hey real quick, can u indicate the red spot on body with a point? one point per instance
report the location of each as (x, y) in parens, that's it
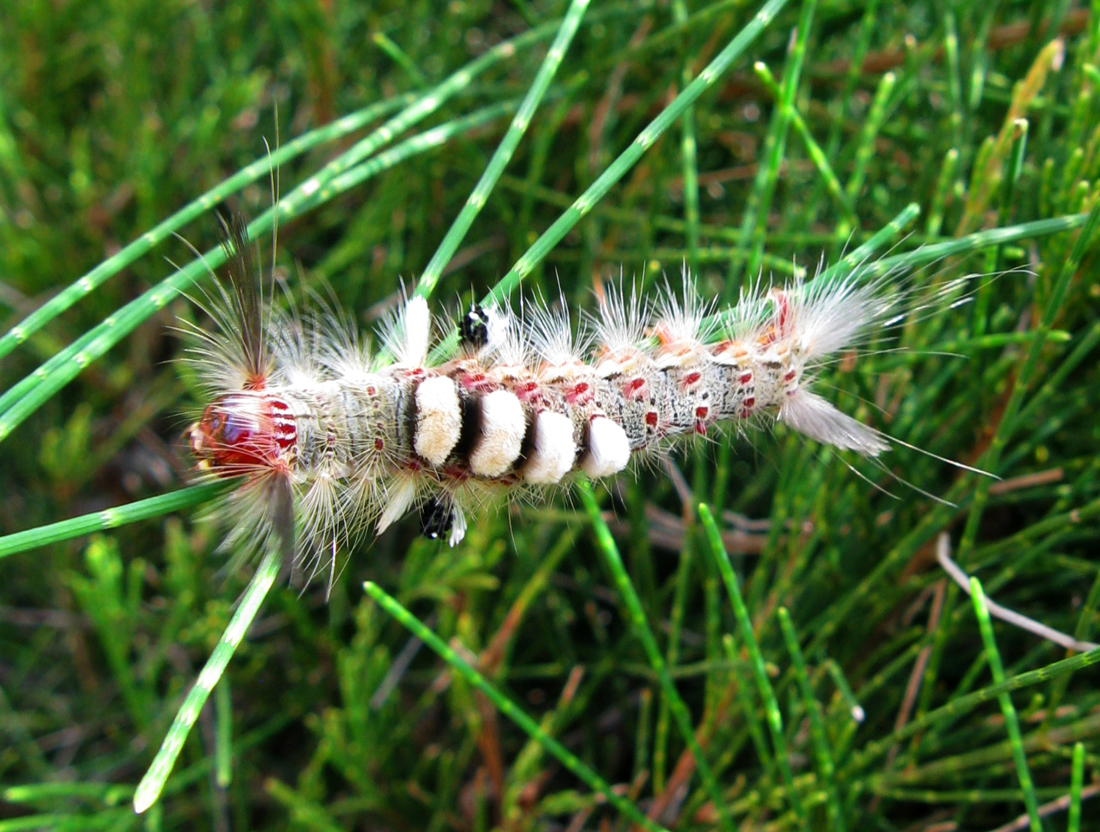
(750, 402)
(372, 390)
(634, 389)
(745, 378)
(475, 381)
(692, 378)
(379, 444)
(701, 412)
(579, 394)
(790, 376)
(527, 391)
(701, 428)
(651, 418)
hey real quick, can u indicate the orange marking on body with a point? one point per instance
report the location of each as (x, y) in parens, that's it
(661, 333)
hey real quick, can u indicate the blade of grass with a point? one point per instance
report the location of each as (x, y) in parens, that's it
(640, 625)
(507, 707)
(813, 149)
(1012, 720)
(505, 149)
(223, 743)
(817, 723)
(964, 704)
(860, 256)
(748, 639)
(1077, 782)
(1009, 422)
(974, 242)
(772, 154)
(748, 707)
(945, 182)
(871, 126)
(152, 783)
(112, 518)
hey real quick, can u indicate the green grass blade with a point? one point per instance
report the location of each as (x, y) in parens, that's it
(626, 160)
(871, 127)
(813, 149)
(1077, 782)
(419, 109)
(772, 155)
(640, 625)
(112, 518)
(505, 149)
(748, 639)
(507, 707)
(1012, 720)
(990, 461)
(223, 737)
(859, 257)
(151, 785)
(976, 242)
(966, 703)
(817, 723)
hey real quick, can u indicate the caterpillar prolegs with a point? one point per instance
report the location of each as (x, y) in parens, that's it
(334, 441)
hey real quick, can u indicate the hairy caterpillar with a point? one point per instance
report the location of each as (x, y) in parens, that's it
(334, 442)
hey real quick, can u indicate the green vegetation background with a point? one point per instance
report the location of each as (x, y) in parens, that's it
(113, 116)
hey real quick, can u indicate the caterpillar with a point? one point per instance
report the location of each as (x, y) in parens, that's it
(333, 441)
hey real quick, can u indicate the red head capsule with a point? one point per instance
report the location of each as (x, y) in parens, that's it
(242, 430)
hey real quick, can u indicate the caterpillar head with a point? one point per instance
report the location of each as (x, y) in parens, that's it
(239, 432)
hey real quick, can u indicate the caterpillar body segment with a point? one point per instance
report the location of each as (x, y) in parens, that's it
(518, 409)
